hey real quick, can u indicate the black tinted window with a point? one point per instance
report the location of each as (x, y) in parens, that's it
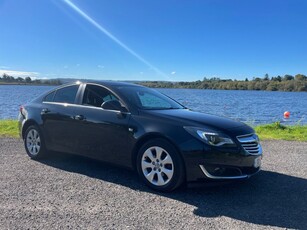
(95, 95)
(49, 97)
(67, 94)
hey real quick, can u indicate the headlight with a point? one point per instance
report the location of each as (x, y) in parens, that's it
(209, 136)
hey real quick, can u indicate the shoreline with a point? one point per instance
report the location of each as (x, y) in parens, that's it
(26, 84)
(274, 131)
(154, 87)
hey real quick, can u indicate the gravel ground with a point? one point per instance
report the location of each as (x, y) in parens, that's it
(72, 192)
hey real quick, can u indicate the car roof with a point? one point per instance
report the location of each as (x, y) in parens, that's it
(108, 83)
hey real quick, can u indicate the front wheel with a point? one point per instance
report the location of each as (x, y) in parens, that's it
(34, 143)
(160, 166)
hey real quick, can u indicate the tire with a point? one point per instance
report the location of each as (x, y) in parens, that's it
(34, 143)
(160, 166)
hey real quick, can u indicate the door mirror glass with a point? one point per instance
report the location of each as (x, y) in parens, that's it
(113, 105)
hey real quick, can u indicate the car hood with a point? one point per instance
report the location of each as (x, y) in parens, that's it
(188, 117)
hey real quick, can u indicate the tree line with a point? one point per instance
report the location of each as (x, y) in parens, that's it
(280, 83)
(7, 79)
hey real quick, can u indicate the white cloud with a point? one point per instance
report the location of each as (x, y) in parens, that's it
(15, 73)
(100, 66)
(174, 72)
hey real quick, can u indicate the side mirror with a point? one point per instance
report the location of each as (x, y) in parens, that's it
(113, 105)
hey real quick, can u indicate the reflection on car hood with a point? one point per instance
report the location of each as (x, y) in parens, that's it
(188, 117)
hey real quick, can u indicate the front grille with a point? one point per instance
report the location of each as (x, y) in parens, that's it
(250, 144)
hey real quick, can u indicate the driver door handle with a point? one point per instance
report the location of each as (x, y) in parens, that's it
(79, 117)
(45, 110)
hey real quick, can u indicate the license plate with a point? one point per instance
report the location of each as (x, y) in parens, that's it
(257, 162)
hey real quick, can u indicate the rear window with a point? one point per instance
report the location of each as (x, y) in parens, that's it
(66, 94)
(49, 97)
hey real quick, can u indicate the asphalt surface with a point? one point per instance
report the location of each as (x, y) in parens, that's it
(72, 192)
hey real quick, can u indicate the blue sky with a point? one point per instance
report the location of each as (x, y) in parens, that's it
(153, 39)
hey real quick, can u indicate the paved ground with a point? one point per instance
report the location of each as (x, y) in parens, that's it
(72, 192)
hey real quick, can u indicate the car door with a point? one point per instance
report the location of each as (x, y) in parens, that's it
(59, 124)
(103, 134)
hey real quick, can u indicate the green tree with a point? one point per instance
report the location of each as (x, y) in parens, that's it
(28, 79)
(256, 79)
(288, 77)
(300, 77)
(266, 77)
(272, 86)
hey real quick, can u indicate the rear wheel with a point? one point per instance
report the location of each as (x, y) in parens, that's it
(160, 166)
(34, 142)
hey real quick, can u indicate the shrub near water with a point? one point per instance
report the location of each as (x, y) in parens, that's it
(9, 128)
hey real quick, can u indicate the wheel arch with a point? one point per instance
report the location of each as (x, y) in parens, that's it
(26, 125)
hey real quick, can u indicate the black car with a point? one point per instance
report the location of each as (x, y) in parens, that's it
(142, 129)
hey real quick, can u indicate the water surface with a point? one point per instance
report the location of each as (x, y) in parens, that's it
(254, 107)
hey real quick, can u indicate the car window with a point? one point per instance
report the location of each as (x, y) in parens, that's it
(145, 98)
(95, 95)
(149, 100)
(66, 94)
(49, 97)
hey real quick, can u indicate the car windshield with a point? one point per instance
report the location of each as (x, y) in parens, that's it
(148, 99)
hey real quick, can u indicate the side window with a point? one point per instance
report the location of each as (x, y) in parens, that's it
(49, 97)
(95, 95)
(67, 94)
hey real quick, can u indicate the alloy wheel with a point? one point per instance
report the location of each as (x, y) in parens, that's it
(157, 166)
(33, 142)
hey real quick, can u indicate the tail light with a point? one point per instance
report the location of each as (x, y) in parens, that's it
(21, 108)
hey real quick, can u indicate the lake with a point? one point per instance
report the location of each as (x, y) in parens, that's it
(253, 107)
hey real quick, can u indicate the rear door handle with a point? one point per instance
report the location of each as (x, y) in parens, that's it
(45, 110)
(80, 117)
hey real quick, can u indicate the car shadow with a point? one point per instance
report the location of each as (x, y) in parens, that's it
(268, 198)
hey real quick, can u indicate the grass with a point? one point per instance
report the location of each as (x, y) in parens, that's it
(275, 131)
(9, 128)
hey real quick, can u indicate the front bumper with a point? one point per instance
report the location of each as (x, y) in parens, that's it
(220, 172)
(209, 163)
